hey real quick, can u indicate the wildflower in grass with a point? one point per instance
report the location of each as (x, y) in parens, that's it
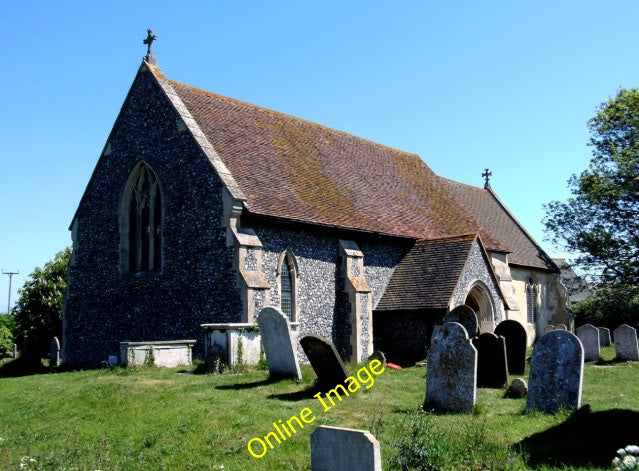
(626, 459)
(25, 461)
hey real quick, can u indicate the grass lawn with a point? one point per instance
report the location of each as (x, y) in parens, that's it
(152, 418)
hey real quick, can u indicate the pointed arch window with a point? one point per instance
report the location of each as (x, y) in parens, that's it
(287, 281)
(141, 220)
(532, 290)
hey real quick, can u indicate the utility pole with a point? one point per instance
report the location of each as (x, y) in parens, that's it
(10, 274)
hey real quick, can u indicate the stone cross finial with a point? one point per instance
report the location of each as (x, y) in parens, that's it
(487, 173)
(149, 42)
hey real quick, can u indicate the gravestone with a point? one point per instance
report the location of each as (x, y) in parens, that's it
(280, 353)
(626, 343)
(433, 336)
(325, 360)
(516, 342)
(465, 316)
(556, 373)
(54, 355)
(604, 336)
(451, 375)
(492, 367)
(589, 336)
(377, 355)
(549, 328)
(344, 449)
(518, 388)
(561, 327)
(15, 351)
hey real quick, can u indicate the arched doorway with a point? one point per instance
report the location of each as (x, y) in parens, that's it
(479, 299)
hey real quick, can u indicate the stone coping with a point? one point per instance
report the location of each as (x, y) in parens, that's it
(230, 326)
(159, 342)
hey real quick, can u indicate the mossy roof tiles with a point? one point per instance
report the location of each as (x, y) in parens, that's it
(428, 275)
(499, 223)
(298, 170)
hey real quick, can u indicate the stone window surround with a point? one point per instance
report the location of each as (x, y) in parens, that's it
(289, 258)
(532, 292)
(125, 200)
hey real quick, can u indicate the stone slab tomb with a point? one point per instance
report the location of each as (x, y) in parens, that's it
(589, 336)
(626, 343)
(325, 360)
(279, 350)
(604, 336)
(54, 352)
(516, 343)
(492, 367)
(556, 373)
(465, 316)
(344, 449)
(451, 374)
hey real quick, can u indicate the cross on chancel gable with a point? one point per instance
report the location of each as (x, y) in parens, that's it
(149, 43)
(487, 173)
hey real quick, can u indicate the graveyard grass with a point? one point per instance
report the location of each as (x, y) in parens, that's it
(153, 418)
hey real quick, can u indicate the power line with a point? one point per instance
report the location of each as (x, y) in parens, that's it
(10, 274)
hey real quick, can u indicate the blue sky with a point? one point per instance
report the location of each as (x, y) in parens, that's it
(466, 85)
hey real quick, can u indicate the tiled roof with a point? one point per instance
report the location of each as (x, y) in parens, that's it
(428, 275)
(294, 169)
(496, 221)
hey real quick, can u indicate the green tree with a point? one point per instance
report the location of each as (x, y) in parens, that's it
(38, 312)
(600, 221)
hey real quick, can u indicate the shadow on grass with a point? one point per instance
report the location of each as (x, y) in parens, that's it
(18, 368)
(586, 438)
(255, 384)
(302, 395)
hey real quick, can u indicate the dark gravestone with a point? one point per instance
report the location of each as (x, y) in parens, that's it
(451, 374)
(325, 360)
(516, 342)
(492, 368)
(604, 336)
(465, 316)
(556, 373)
(54, 353)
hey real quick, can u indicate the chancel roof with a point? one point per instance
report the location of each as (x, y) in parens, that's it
(498, 222)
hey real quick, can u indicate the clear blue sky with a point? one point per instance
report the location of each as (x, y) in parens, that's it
(466, 85)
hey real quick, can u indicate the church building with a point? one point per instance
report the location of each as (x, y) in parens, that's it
(204, 209)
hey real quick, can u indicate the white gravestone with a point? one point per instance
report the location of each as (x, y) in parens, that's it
(589, 336)
(451, 375)
(556, 373)
(281, 355)
(626, 343)
(344, 449)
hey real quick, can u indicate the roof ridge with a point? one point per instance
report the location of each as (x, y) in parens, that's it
(461, 183)
(289, 116)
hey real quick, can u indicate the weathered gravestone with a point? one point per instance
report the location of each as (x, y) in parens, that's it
(604, 336)
(492, 367)
(561, 327)
(556, 373)
(516, 343)
(451, 375)
(589, 336)
(281, 355)
(433, 336)
(15, 351)
(549, 328)
(344, 449)
(54, 355)
(325, 360)
(626, 343)
(465, 316)
(517, 389)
